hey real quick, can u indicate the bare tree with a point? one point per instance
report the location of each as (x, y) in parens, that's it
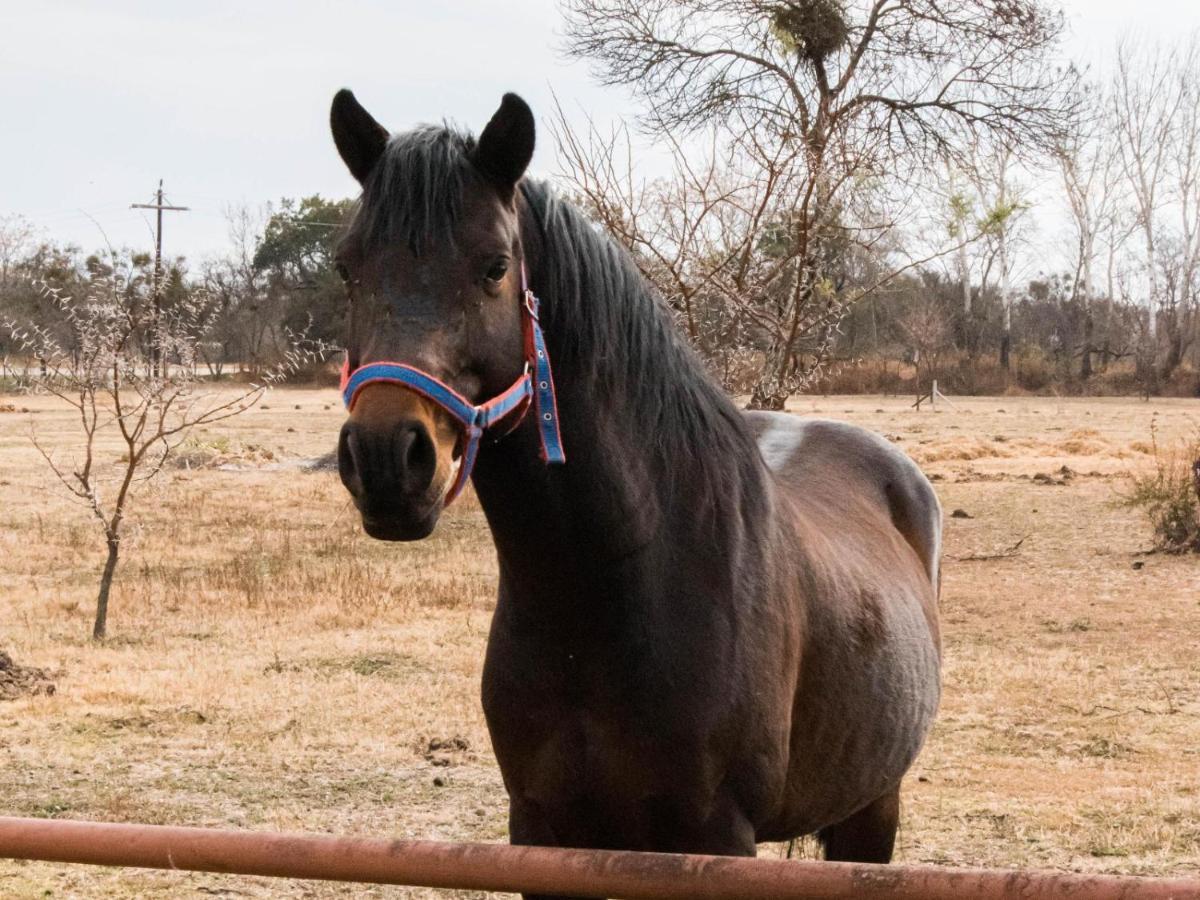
(246, 318)
(1006, 225)
(1087, 164)
(105, 373)
(16, 242)
(961, 215)
(719, 239)
(967, 217)
(1145, 107)
(817, 104)
(1155, 95)
(1181, 265)
(928, 333)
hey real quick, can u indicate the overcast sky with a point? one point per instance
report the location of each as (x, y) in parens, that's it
(228, 101)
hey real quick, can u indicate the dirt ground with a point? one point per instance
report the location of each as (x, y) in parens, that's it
(270, 667)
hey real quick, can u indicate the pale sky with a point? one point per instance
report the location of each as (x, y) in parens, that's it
(228, 101)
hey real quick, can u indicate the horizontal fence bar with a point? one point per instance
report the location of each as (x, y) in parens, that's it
(544, 870)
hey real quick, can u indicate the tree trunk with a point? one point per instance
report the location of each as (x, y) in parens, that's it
(766, 400)
(1006, 331)
(1005, 281)
(1152, 300)
(1174, 354)
(1089, 328)
(964, 279)
(769, 392)
(106, 578)
(1146, 372)
(1089, 323)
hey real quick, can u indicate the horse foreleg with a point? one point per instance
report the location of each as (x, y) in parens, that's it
(867, 836)
(530, 825)
(725, 832)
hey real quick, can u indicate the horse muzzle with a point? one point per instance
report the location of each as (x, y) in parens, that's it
(397, 464)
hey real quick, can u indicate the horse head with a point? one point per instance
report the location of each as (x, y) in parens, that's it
(433, 267)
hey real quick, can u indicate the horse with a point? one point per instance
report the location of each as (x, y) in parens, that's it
(713, 628)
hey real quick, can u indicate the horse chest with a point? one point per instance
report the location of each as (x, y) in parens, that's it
(610, 720)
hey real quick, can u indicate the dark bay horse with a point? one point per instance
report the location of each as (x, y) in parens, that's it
(713, 628)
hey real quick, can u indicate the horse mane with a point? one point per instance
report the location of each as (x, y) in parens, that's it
(599, 302)
(604, 322)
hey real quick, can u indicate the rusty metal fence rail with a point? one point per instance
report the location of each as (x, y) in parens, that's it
(543, 870)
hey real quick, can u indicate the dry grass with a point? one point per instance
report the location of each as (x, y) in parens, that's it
(270, 667)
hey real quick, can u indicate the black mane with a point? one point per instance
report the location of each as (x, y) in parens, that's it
(604, 323)
(608, 325)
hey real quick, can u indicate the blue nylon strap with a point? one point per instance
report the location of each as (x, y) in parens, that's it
(543, 390)
(495, 410)
(441, 394)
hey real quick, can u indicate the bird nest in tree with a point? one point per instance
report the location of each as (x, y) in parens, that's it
(814, 29)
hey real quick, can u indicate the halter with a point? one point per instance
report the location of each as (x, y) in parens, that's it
(534, 388)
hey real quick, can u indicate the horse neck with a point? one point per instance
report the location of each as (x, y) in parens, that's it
(640, 489)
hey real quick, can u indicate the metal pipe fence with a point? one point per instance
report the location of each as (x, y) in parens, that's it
(546, 870)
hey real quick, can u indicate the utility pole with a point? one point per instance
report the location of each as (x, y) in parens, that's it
(158, 205)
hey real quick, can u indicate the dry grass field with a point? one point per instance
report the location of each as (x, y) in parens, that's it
(270, 667)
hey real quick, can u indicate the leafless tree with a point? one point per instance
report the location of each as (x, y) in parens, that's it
(247, 324)
(1087, 163)
(131, 414)
(960, 223)
(929, 335)
(976, 205)
(16, 240)
(719, 239)
(816, 103)
(1155, 99)
(1181, 262)
(1145, 108)
(1006, 224)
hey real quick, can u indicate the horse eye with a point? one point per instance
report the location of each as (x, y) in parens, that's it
(497, 271)
(342, 271)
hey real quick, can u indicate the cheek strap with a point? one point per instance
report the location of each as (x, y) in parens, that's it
(534, 388)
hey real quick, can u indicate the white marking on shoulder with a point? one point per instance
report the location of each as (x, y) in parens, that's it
(779, 441)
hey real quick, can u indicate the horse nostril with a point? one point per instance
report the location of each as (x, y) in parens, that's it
(348, 466)
(416, 457)
(386, 465)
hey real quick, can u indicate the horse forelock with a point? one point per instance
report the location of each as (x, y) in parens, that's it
(414, 195)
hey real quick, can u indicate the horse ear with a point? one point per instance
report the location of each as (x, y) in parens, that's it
(506, 144)
(360, 139)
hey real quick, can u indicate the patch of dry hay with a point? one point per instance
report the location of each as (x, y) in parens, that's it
(960, 449)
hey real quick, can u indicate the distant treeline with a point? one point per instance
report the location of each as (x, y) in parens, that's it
(275, 282)
(278, 279)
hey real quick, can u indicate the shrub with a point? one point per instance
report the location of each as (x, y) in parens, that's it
(1170, 495)
(1035, 371)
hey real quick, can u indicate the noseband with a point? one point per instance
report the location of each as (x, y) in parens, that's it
(534, 388)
